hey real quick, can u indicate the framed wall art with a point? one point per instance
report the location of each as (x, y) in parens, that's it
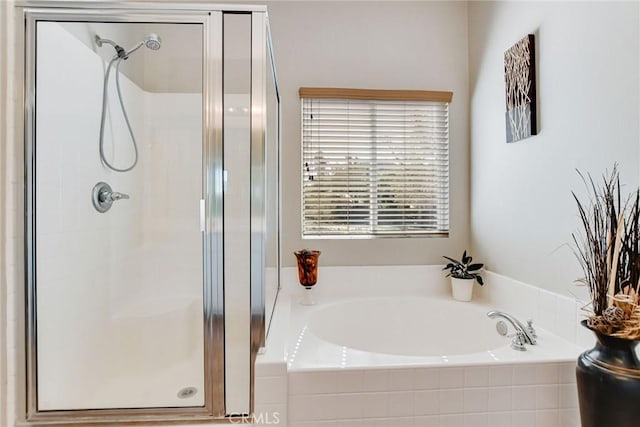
(520, 90)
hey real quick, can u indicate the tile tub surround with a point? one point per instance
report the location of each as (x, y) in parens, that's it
(408, 394)
(501, 395)
(271, 382)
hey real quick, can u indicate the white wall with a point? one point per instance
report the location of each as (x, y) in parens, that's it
(376, 45)
(522, 211)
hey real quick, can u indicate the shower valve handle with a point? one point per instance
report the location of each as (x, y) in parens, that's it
(114, 195)
(103, 197)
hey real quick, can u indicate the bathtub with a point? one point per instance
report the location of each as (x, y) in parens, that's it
(388, 347)
(409, 326)
(401, 331)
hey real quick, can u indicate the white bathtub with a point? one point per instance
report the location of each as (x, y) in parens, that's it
(407, 331)
(387, 346)
(409, 326)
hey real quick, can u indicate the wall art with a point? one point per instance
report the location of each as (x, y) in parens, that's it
(520, 90)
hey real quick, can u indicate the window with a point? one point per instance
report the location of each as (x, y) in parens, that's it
(374, 163)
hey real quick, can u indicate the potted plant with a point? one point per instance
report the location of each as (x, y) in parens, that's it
(463, 274)
(608, 249)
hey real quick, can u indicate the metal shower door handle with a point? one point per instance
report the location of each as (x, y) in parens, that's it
(103, 197)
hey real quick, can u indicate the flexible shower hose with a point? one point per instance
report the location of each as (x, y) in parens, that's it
(105, 88)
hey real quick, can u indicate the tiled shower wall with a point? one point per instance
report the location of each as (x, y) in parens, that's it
(73, 239)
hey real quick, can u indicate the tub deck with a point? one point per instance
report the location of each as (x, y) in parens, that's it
(320, 381)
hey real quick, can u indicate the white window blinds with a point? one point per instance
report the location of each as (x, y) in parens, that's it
(375, 167)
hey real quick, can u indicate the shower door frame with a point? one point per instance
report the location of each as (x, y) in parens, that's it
(212, 191)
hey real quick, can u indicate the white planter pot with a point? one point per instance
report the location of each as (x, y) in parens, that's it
(462, 289)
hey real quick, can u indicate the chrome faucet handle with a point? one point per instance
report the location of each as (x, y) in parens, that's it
(530, 329)
(518, 341)
(114, 195)
(103, 197)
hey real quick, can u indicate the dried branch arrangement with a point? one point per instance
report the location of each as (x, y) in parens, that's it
(608, 249)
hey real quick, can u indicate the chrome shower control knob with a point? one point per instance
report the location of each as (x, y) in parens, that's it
(103, 197)
(106, 196)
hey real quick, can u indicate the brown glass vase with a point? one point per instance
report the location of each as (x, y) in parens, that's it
(307, 267)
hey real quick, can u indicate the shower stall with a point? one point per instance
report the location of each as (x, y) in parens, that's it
(152, 201)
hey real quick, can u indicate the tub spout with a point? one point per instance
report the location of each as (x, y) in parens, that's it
(521, 330)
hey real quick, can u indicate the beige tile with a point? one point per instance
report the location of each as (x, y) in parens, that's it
(451, 401)
(426, 402)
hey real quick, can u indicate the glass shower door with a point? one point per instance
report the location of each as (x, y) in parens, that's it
(119, 271)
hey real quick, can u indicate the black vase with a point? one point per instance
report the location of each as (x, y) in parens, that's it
(608, 378)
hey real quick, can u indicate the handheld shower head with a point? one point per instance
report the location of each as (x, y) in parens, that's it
(152, 41)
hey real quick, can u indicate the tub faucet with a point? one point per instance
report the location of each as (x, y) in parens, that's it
(524, 334)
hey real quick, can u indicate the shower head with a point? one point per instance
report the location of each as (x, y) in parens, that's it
(152, 41)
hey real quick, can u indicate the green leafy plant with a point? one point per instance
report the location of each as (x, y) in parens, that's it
(463, 269)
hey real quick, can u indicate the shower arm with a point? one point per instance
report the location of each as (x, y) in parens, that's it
(129, 52)
(99, 41)
(120, 52)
